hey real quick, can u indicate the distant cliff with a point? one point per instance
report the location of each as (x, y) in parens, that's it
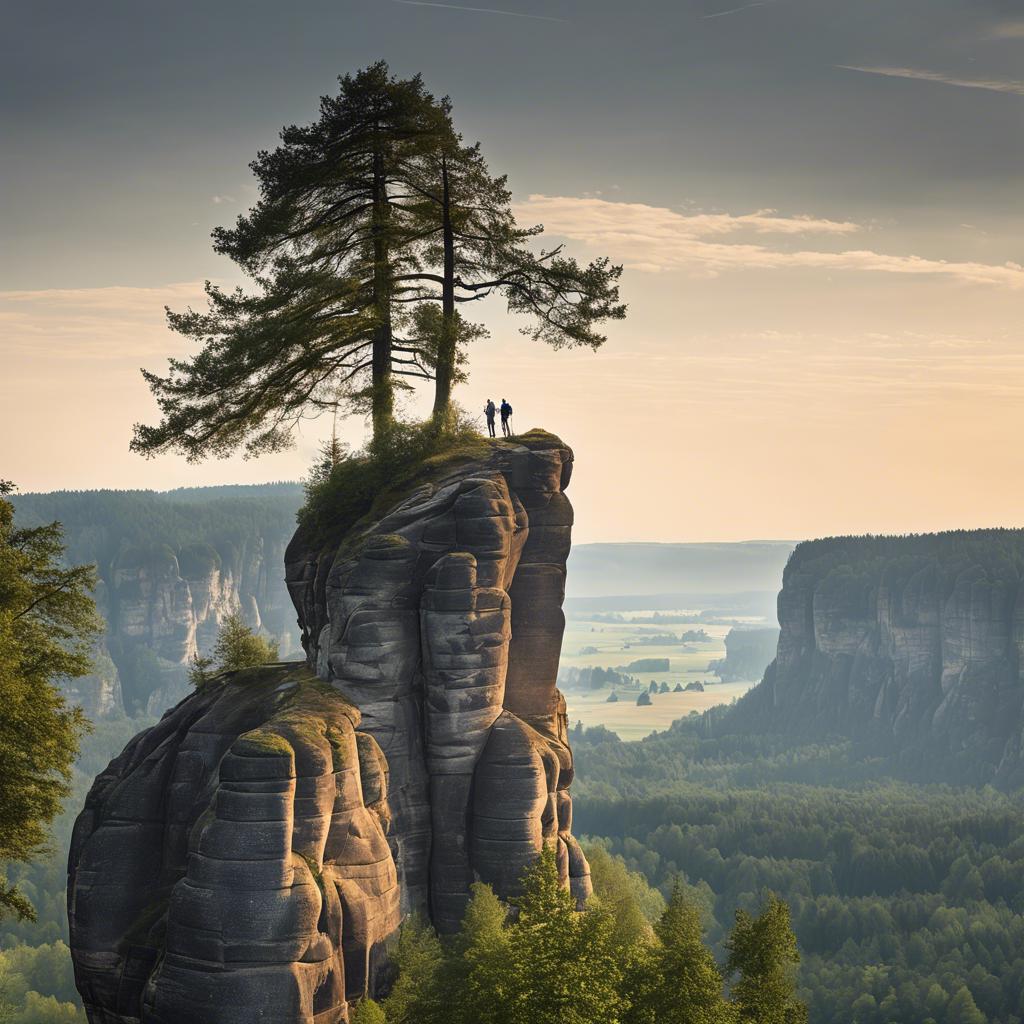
(909, 646)
(171, 566)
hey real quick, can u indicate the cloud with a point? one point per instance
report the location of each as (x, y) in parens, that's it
(1008, 30)
(480, 10)
(655, 239)
(93, 323)
(1003, 85)
(217, 200)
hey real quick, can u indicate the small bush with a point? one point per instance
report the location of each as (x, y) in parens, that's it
(370, 479)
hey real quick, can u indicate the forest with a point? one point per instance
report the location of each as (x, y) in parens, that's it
(907, 901)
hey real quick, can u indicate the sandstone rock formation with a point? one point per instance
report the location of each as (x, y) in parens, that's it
(440, 618)
(231, 864)
(911, 646)
(248, 857)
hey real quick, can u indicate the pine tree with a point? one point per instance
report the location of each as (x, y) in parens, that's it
(962, 1009)
(763, 955)
(48, 623)
(562, 964)
(687, 985)
(478, 249)
(372, 212)
(368, 1012)
(328, 245)
(238, 647)
(418, 996)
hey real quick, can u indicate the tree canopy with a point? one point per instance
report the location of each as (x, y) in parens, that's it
(544, 960)
(374, 224)
(48, 623)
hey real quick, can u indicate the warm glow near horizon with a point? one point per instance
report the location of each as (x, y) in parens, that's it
(824, 333)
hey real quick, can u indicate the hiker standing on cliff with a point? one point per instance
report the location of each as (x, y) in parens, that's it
(489, 413)
(506, 412)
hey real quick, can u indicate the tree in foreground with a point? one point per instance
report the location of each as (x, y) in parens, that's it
(368, 217)
(547, 961)
(48, 623)
(763, 957)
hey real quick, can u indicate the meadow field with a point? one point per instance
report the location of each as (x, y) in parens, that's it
(606, 639)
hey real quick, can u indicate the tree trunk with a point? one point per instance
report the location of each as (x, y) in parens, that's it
(446, 347)
(382, 393)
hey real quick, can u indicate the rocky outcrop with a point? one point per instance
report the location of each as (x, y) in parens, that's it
(231, 865)
(748, 652)
(439, 616)
(909, 646)
(249, 857)
(171, 567)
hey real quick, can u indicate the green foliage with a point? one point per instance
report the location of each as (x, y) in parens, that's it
(904, 894)
(200, 671)
(763, 956)
(238, 647)
(48, 623)
(368, 1012)
(366, 481)
(37, 986)
(633, 905)
(373, 220)
(547, 961)
(418, 995)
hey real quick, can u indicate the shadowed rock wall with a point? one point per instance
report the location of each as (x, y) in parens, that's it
(231, 864)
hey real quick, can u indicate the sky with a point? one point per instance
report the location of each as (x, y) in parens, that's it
(818, 204)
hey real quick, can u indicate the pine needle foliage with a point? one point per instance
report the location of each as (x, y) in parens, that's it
(48, 623)
(544, 960)
(374, 224)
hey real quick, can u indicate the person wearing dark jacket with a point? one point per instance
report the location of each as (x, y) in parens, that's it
(506, 412)
(489, 413)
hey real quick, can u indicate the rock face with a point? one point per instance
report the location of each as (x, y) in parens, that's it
(249, 857)
(911, 646)
(163, 606)
(171, 567)
(440, 618)
(231, 865)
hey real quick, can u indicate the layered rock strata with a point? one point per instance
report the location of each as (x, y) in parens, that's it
(440, 617)
(911, 646)
(231, 865)
(249, 857)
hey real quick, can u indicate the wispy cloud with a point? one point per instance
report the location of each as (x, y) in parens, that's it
(736, 10)
(218, 200)
(111, 323)
(1008, 30)
(1004, 85)
(480, 10)
(657, 239)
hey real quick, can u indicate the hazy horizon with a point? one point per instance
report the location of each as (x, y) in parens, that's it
(817, 206)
